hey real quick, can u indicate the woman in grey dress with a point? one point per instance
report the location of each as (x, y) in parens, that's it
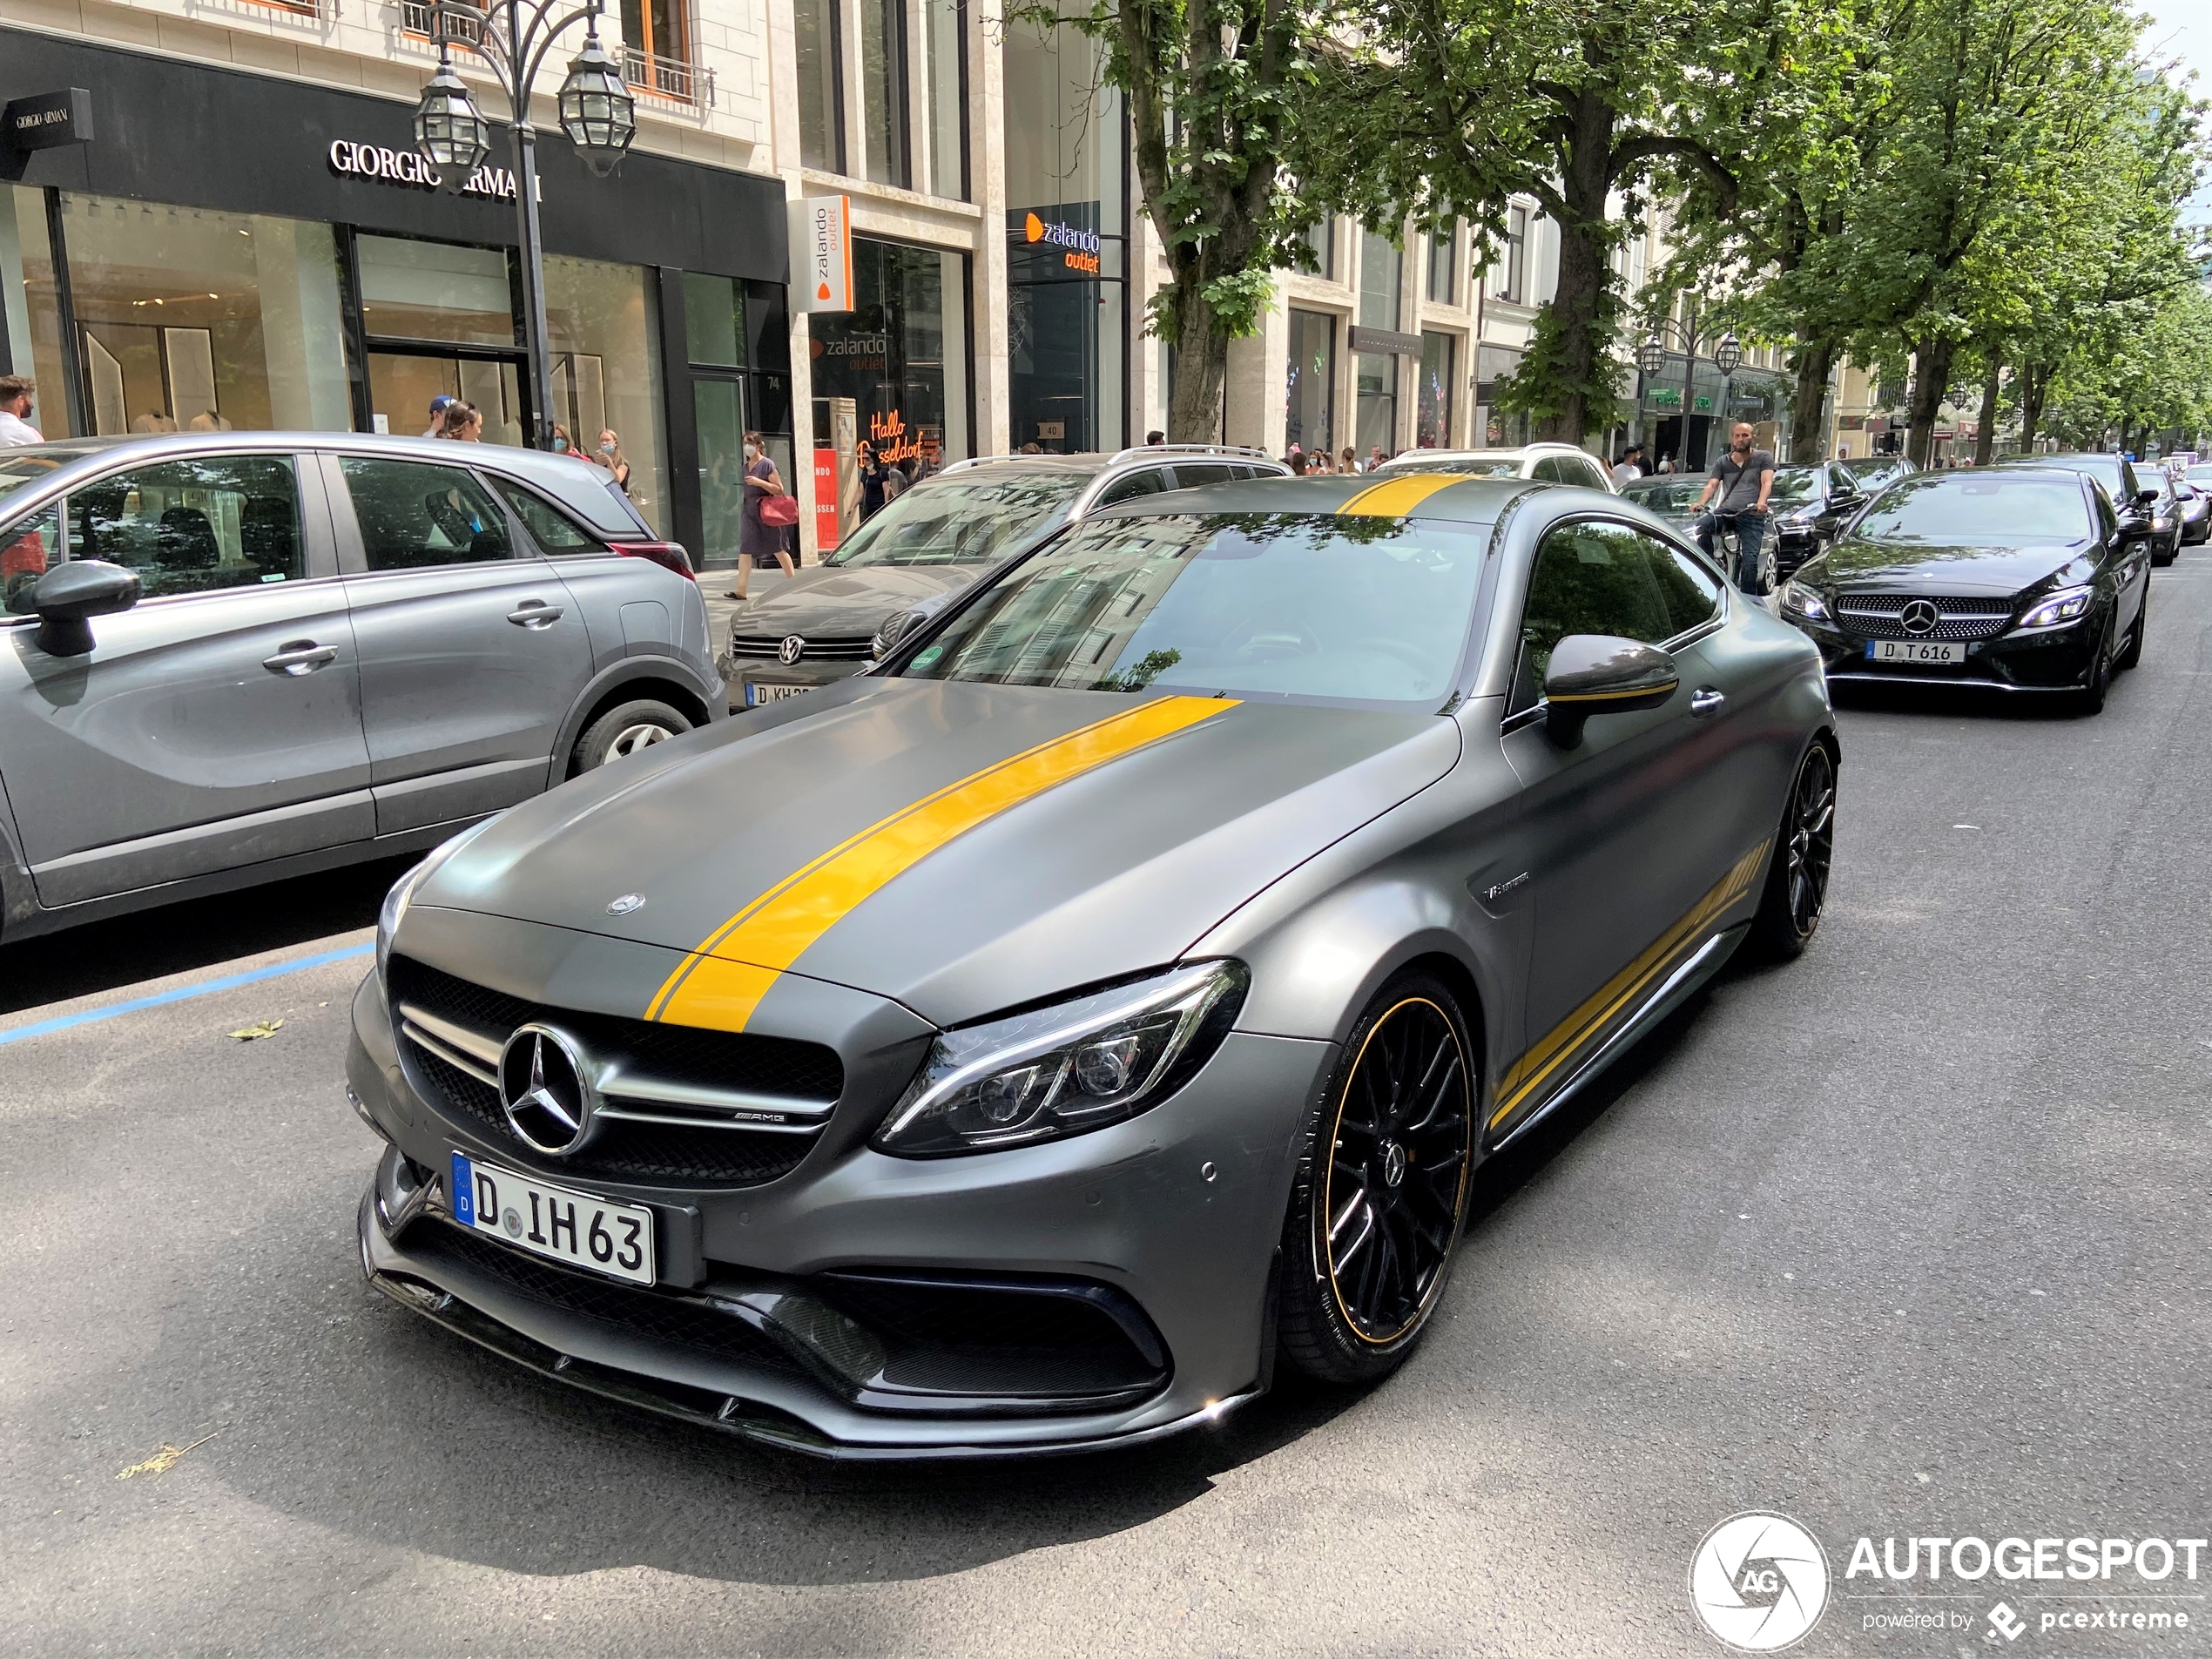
(756, 539)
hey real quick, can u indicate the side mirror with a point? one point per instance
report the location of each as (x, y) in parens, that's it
(1601, 674)
(2133, 529)
(2145, 498)
(68, 594)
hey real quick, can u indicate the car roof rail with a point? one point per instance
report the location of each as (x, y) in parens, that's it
(1241, 451)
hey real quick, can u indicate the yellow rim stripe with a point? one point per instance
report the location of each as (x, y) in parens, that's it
(720, 983)
(1532, 1069)
(1397, 497)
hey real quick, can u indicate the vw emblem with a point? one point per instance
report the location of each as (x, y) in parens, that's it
(1919, 617)
(546, 1089)
(628, 902)
(792, 649)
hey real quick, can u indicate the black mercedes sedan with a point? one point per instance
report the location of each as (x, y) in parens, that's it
(2137, 492)
(2015, 579)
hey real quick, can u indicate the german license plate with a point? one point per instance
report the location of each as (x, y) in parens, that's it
(562, 1226)
(756, 695)
(1915, 650)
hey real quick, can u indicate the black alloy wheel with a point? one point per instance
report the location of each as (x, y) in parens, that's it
(1796, 877)
(2091, 699)
(1375, 1217)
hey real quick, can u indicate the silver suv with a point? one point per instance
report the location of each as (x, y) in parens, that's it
(940, 537)
(236, 657)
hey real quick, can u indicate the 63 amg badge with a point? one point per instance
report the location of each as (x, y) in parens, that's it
(1759, 1581)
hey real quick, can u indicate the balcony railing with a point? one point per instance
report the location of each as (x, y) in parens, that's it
(668, 77)
(420, 17)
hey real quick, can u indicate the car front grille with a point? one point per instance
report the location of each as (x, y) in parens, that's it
(831, 648)
(1881, 615)
(681, 1104)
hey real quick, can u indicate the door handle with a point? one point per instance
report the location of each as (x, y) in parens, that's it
(534, 614)
(298, 656)
(1705, 700)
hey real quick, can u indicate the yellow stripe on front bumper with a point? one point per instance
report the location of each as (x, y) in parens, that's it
(720, 983)
(1396, 496)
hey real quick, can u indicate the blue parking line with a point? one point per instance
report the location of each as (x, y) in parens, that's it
(229, 982)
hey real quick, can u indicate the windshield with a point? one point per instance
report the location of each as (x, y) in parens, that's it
(1795, 484)
(960, 521)
(2106, 469)
(1494, 466)
(1664, 495)
(20, 469)
(1287, 604)
(1954, 507)
(2202, 474)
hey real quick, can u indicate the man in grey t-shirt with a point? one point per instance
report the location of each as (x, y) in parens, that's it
(1743, 477)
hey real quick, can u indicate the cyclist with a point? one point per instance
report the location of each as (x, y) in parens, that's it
(1743, 477)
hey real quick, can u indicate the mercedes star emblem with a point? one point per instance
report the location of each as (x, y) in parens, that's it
(546, 1089)
(792, 649)
(1920, 617)
(628, 902)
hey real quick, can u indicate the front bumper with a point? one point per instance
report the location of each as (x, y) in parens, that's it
(744, 672)
(2058, 659)
(1165, 1227)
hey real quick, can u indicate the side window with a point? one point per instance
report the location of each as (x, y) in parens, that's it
(2108, 521)
(1593, 476)
(29, 548)
(414, 514)
(1547, 471)
(550, 527)
(1693, 592)
(1148, 483)
(1189, 475)
(1592, 577)
(193, 526)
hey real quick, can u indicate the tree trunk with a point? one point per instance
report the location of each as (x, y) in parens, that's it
(1807, 428)
(1931, 377)
(1986, 430)
(2035, 382)
(1578, 301)
(1201, 367)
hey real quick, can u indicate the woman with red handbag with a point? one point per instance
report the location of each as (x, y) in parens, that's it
(770, 516)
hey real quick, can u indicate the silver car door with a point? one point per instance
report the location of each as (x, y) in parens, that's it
(472, 649)
(217, 723)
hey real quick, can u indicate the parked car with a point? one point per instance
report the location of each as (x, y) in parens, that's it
(939, 536)
(242, 656)
(1019, 1047)
(2135, 492)
(1548, 463)
(2194, 502)
(1873, 474)
(2016, 578)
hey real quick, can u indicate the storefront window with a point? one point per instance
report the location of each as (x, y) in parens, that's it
(945, 80)
(900, 355)
(435, 291)
(605, 338)
(821, 97)
(1310, 385)
(1375, 374)
(1433, 405)
(729, 398)
(1068, 311)
(29, 287)
(883, 90)
(191, 319)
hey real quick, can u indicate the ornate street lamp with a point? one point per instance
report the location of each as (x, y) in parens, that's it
(1651, 358)
(1728, 356)
(597, 113)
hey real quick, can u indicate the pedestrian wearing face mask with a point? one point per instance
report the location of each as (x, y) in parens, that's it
(610, 456)
(767, 530)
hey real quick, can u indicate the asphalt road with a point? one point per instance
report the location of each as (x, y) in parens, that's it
(1906, 1239)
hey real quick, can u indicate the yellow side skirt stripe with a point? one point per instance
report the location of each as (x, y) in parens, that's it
(1530, 1072)
(1398, 495)
(720, 983)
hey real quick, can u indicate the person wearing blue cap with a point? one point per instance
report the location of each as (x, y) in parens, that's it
(438, 406)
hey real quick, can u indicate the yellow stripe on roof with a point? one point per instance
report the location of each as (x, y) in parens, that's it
(720, 983)
(1398, 495)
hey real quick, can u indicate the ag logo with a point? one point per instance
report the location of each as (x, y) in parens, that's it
(1759, 1581)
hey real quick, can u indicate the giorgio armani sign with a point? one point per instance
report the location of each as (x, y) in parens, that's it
(413, 170)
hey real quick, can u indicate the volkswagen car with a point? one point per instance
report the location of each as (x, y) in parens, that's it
(936, 538)
(2014, 579)
(1015, 1047)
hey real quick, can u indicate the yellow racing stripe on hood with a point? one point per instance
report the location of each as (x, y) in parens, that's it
(720, 983)
(1398, 495)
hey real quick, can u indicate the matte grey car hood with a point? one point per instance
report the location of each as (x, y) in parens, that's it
(828, 600)
(1125, 850)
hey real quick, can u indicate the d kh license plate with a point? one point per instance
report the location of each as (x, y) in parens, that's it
(755, 695)
(615, 1239)
(1915, 650)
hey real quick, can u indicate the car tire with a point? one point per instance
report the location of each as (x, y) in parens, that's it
(1796, 876)
(2167, 555)
(2134, 653)
(1399, 1127)
(624, 730)
(2091, 699)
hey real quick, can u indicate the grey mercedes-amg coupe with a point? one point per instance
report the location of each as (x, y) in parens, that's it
(1018, 1047)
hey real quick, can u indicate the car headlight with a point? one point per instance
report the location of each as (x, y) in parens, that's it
(395, 901)
(1801, 601)
(1065, 1070)
(2163, 521)
(2059, 609)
